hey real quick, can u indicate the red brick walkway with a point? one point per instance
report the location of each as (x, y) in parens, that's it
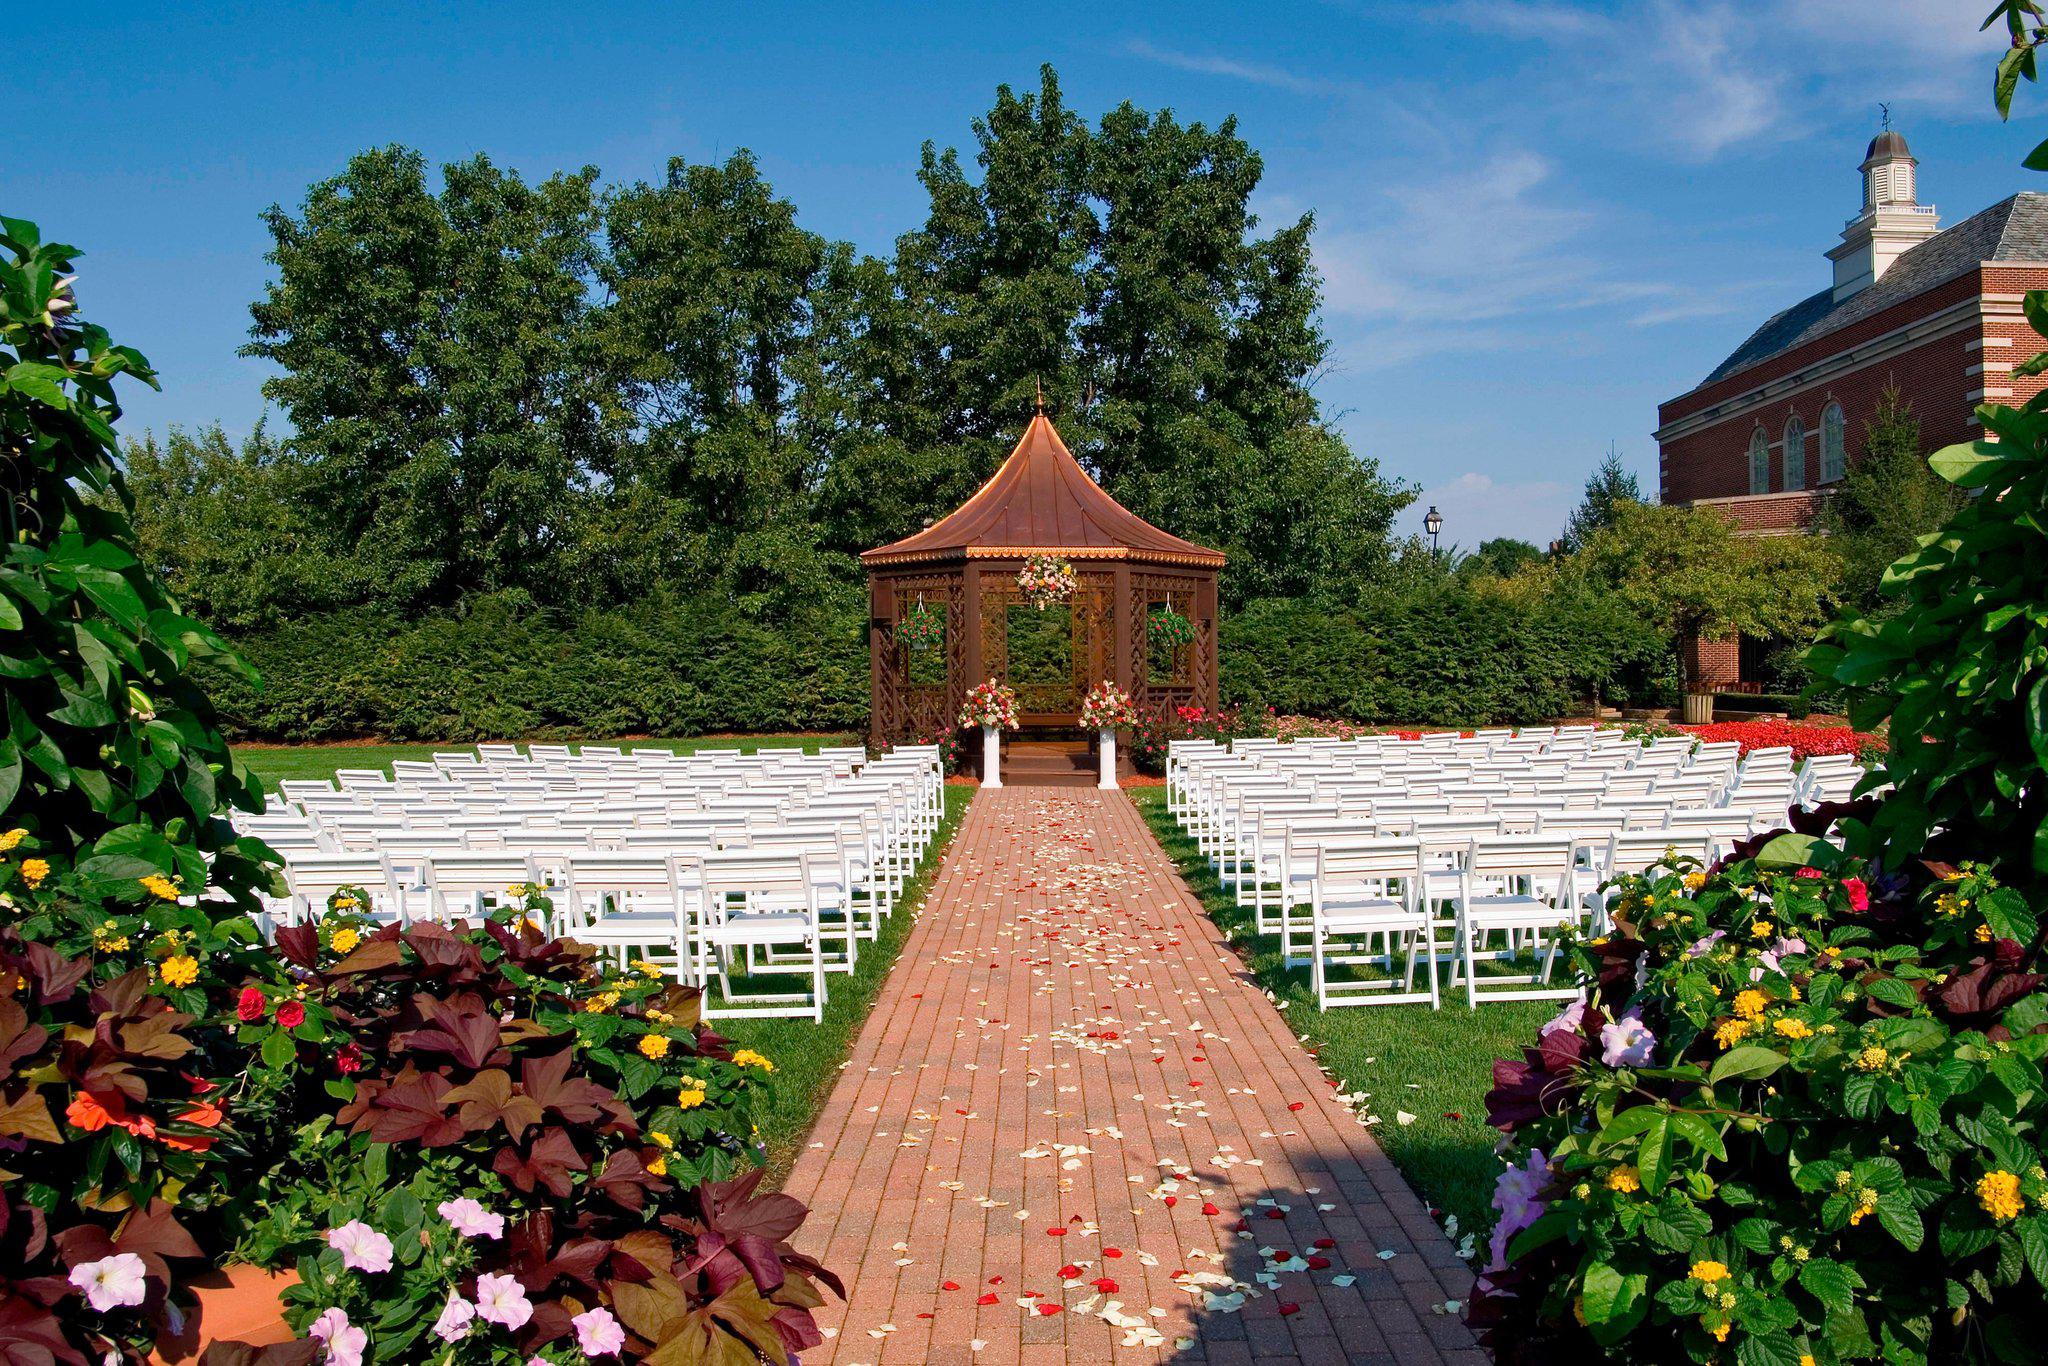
(1071, 1131)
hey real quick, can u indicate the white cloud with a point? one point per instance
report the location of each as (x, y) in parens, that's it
(1258, 73)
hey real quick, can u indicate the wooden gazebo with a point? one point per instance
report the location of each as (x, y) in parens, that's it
(965, 566)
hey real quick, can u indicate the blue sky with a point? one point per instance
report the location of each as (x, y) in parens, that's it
(1537, 218)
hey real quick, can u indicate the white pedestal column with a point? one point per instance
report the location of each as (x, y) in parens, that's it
(991, 757)
(1106, 774)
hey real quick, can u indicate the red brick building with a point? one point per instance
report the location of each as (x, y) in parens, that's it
(1934, 311)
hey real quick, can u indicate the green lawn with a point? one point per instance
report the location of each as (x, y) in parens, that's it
(807, 1056)
(1431, 1064)
(274, 763)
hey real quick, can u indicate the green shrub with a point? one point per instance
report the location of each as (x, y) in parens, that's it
(1450, 656)
(667, 666)
(1799, 1121)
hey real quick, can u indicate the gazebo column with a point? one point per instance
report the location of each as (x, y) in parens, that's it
(1128, 623)
(881, 606)
(1206, 609)
(971, 654)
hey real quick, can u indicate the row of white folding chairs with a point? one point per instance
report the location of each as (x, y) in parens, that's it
(1377, 901)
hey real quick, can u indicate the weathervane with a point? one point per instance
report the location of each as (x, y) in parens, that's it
(1885, 114)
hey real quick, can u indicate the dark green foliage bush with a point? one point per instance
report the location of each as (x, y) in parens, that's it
(1448, 656)
(666, 666)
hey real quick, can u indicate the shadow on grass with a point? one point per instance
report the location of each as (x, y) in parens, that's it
(808, 1055)
(1434, 1066)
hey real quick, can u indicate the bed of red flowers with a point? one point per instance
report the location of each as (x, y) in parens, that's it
(1804, 740)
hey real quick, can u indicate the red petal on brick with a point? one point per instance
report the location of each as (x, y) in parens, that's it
(1209, 1208)
(988, 1299)
(1112, 1252)
(1289, 1307)
(949, 1285)
(1047, 1308)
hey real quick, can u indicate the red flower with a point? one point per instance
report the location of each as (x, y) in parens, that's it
(291, 1014)
(349, 1060)
(1859, 895)
(252, 1006)
(1809, 873)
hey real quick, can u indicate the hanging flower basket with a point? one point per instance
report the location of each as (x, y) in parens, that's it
(923, 627)
(1107, 707)
(990, 704)
(1169, 630)
(1046, 580)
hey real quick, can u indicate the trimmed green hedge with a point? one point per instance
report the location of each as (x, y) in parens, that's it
(689, 666)
(675, 667)
(1447, 657)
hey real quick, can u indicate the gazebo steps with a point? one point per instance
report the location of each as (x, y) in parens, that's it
(1048, 763)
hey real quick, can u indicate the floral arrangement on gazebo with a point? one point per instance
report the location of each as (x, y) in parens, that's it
(1108, 707)
(1046, 580)
(990, 704)
(923, 627)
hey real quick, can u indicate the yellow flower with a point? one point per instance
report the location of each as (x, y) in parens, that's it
(661, 1140)
(1624, 1179)
(1694, 881)
(1842, 1180)
(1866, 1205)
(660, 1017)
(645, 968)
(1872, 1058)
(12, 838)
(691, 1096)
(161, 887)
(345, 939)
(659, 1166)
(600, 1003)
(1948, 903)
(34, 870)
(747, 1057)
(1762, 929)
(1706, 1273)
(654, 1045)
(1792, 1029)
(1731, 1032)
(1720, 1332)
(1749, 1004)
(1982, 934)
(1999, 1194)
(1806, 1359)
(346, 903)
(181, 971)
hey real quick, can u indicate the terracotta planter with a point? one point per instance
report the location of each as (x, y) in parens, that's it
(236, 1304)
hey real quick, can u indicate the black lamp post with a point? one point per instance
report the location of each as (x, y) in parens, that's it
(1433, 523)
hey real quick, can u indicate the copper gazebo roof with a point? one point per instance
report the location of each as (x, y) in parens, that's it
(1041, 502)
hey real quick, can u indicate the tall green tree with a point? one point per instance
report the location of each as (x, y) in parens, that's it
(1888, 499)
(1121, 267)
(1690, 573)
(231, 530)
(1609, 486)
(430, 354)
(709, 333)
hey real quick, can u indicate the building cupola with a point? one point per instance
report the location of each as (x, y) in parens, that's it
(1892, 221)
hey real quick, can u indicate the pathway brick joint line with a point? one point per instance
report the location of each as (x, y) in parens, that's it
(1072, 1131)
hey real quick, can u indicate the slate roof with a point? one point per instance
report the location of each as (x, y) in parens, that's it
(2014, 229)
(1042, 500)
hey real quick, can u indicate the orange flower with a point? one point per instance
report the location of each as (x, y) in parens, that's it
(87, 1113)
(204, 1114)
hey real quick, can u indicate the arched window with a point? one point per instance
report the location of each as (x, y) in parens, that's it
(1759, 462)
(1795, 453)
(1834, 452)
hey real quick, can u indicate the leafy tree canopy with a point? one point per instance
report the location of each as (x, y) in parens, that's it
(1688, 571)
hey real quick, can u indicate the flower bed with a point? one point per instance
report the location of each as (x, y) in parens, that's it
(1799, 1122)
(1804, 741)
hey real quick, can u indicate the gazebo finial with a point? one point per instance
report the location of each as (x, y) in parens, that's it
(1041, 394)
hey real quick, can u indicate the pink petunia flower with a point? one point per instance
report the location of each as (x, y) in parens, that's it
(1570, 1018)
(116, 1282)
(457, 1319)
(1627, 1042)
(362, 1248)
(471, 1219)
(344, 1341)
(598, 1333)
(502, 1300)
